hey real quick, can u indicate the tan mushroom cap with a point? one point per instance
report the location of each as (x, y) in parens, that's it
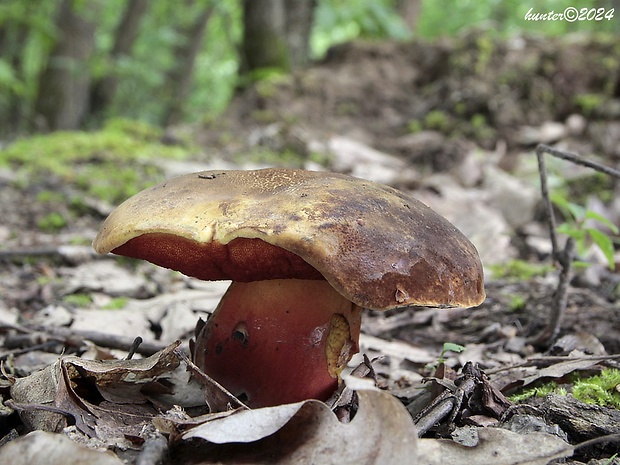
(376, 246)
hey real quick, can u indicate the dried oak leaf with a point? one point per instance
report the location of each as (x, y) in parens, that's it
(110, 400)
(381, 432)
(41, 448)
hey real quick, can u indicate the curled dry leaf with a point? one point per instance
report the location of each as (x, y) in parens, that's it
(496, 446)
(41, 448)
(382, 432)
(110, 400)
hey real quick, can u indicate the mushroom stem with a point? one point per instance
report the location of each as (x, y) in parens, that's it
(279, 341)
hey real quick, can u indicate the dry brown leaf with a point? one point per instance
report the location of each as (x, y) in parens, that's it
(41, 448)
(525, 374)
(110, 400)
(496, 446)
(307, 432)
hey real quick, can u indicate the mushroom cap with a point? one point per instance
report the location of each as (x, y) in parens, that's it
(376, 246)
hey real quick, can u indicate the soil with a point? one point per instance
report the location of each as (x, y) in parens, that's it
(475, 93)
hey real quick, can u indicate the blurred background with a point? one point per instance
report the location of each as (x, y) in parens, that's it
(73, 64)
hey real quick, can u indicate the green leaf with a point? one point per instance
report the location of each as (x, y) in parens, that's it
(452, 347)
(600, 218)
(604, 242)
(579, 264)
(577, 211)
(572, 231)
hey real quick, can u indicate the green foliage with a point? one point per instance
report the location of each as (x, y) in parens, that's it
(437, 120)
(577, 225)
(540, 390)
(450, 347)
(29, 33)
(600, 390)
(78, 300)
(519, 270)
(337, 22)
(517, 302)
(116, 303)
(111, 164)
(507, 17)
(589, 102)
(52, 222)
(447, 347)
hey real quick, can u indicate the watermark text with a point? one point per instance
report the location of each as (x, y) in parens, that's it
(571, 14)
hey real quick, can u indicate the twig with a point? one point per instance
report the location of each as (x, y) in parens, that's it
(154, 450)
(76, 337)
(544, 190)
(566, 256)
(599, 440)
(558, 308)
(549, 360)
(218, 398)
(132, 351)
(578, 160)
(71, 253)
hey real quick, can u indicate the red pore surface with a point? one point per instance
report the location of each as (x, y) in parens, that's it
(269, 342)
(241, 259)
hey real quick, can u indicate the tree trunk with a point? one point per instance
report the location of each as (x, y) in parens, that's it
(410, 12)
(104, 89)
(179, 79)
(276, 34)
(264, 44)
(13, 36)
(299, 19)
(64, 86)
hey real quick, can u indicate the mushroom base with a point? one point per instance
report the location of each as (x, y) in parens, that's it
(279, 341)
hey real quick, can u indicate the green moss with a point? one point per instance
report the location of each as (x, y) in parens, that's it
(268, 81)
(110, 164)
(588, 103)
(78, 300)
(600, 390)
(414, 126)
(540, 390)
(484, 44)
(47, 196)
(517, 302)
(437, 120)
(52, 222)
(116, 303)
(519, 270)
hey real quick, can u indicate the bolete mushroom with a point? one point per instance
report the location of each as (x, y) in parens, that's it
(306, 251)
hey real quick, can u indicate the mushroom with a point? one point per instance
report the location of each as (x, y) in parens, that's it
(306, 251)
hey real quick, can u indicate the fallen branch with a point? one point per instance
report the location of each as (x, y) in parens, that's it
(74, 338)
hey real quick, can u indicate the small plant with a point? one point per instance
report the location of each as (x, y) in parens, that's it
(577, 226)
(447, 347)
(578, 233)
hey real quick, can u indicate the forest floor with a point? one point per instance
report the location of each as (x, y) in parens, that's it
(453, 124)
